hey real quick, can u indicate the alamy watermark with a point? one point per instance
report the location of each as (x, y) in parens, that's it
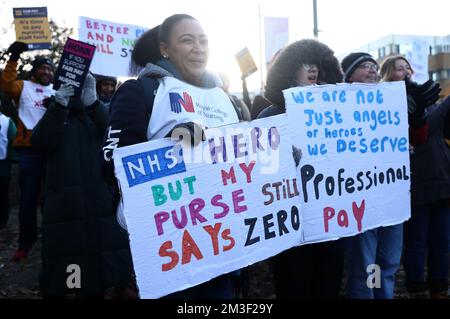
(374, 277)
(74, 279)
(232, 145)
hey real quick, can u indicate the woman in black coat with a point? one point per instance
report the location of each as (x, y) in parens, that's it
(84, 250)
(315, 270)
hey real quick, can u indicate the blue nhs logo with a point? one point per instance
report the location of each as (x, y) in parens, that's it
(148, 166)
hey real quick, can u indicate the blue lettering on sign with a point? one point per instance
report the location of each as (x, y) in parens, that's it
(148, 166)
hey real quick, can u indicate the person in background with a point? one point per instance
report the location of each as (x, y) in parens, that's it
(241, 106)
(260, 102)
(170, 56)
(258, 105)
(7, 135)
(29, 97)
(383, 245)
(315, 270)
(426, 234)
(79, 226)
(106, 87)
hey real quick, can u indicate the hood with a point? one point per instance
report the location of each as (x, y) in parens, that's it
(153, 70)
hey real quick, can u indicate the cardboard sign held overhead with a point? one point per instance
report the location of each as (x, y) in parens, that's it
(114, 42)
(74, 64)
(246, 62)
(32, 27)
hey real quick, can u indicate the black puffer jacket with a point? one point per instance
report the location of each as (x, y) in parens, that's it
(79, 224)
(430, 162)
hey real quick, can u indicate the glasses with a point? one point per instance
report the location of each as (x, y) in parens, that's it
(369, 66)
(310, 67)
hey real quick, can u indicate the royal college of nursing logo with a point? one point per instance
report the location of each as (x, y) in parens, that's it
(176, 101)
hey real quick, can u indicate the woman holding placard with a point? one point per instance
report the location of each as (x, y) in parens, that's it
(315, 270)
(172, 62)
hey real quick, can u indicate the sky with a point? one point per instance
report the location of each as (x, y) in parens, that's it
(234, 24)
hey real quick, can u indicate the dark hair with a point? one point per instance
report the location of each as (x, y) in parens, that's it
(169, 23)
(283, 72)
(146, 48)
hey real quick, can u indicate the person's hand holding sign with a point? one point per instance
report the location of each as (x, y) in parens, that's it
(63, 94)
(89, 93)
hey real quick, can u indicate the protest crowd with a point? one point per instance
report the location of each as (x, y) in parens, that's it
(65, 138)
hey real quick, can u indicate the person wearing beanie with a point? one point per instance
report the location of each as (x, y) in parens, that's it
(106, 87)
(360, 67)
(38, 62)
(381, 246)
(29, 97)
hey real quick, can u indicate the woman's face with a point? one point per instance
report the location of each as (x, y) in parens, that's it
(188, 50)
(307, 75)
(402, 70)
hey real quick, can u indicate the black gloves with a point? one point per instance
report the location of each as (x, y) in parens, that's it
(16, 49)
(424, 95)
(419, 98)
(185, 130)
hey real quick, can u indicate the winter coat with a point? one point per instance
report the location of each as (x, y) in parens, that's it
(79, 225)
(430, 162)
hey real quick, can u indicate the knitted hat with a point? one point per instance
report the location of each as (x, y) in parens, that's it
(102, 78)
(39, 61)
(351, 62)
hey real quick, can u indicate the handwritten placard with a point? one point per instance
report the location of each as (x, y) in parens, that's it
(195, 214)
(114, 43)
(354, 173)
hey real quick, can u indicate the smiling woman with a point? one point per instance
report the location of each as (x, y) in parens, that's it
(187, 48)
(173, 96)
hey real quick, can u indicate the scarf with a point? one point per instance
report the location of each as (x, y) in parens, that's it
(208, 79)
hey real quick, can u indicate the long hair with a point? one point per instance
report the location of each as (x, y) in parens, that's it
(283, 72)
(387, 71)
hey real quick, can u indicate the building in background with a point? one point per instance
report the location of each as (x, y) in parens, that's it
(429, 55)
